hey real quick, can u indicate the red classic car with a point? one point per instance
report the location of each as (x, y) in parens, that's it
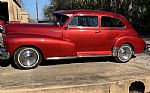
(75, 33)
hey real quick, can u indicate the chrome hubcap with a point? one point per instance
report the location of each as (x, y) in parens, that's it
(125, 53)
(28, 57)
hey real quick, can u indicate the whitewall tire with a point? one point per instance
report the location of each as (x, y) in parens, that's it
(27, 58)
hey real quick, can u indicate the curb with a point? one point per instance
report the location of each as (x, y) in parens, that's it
(111, 87)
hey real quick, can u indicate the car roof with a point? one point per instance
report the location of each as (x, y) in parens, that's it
(74, 12)
(92, 12)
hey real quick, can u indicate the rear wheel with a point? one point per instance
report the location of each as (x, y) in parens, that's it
(124, 53)
(27, 58)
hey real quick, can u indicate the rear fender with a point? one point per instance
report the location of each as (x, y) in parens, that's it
(137, 43)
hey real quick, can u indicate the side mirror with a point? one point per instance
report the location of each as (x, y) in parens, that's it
(66, 27)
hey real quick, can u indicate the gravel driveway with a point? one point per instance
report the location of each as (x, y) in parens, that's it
(143, 59)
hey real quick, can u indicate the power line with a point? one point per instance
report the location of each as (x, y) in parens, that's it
(37, 14)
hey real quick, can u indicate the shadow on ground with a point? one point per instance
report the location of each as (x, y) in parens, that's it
(77, 60)
(6, 63)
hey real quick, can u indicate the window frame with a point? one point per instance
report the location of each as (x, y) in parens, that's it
(71, 18)
(112, 27)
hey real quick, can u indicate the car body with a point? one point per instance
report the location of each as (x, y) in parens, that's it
(75, 33)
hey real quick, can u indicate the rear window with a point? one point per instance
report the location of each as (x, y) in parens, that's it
(111, 22)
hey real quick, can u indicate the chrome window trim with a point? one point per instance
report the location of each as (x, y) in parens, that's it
(74, 57)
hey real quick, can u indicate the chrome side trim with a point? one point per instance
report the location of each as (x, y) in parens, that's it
(95, 56)
(74, 57)
(58, 58)
(54, 31)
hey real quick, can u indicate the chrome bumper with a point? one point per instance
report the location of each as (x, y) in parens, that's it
(148, 48)
(4, 54)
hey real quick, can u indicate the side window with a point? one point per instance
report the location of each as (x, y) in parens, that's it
(74, 22)
(84, 21)
(111, 22)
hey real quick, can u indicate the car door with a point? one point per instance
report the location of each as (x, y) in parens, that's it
(84, 32)
(111, 29)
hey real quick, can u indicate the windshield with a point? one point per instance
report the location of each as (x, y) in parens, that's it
(60, 19)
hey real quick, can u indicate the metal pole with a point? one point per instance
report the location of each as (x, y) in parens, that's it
(37, 14)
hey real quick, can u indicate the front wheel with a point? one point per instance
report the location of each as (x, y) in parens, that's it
(124, 53)
(27, 58)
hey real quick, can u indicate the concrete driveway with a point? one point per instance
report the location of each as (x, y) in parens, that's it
(68, 73)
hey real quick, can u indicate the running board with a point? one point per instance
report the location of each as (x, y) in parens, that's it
(74, 57)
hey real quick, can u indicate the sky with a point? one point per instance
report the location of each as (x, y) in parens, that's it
(30, 7)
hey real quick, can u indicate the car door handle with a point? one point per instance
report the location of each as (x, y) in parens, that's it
(97, 31)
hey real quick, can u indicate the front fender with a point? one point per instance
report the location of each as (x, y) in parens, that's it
(48, 46)
(137, 43)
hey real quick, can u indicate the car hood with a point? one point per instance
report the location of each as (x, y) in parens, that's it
(32, 29)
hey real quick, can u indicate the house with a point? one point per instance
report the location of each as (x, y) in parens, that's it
(11, 11)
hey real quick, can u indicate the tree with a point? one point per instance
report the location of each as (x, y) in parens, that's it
(136, 11)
